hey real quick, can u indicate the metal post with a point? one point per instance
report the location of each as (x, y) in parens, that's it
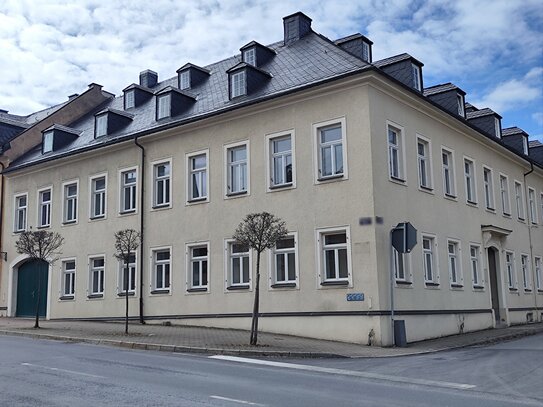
(392, 288)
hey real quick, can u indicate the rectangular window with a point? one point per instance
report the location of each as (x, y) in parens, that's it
(184, 80)
(498, 128)
(510, 267)
(430, 273)
(129, 100)
(128, 190)
(127, 276)
(249, 56)
(163, 106)
(198, 258)
(399, 264)
(98, 197)
(239, 266)
(198, 177)
(161, 278)
(455, 272)
(489, 188)
(96, 276)
(162, 185)
(44, 208)
(70, 202)
(237, 84)
(281, 163)
(101, 125)
(237, 169)
(447, 162)
(366, 52)
(395, 153)
(541, 208)
(460, 99)
(68, 279)
(334, 256)
(525, 270)
(423, 158)
(47, 142)
(284, 263)
(21, 203)
(504, 193)
(330, 150)
(538, 273)
(469, 174)
(475, 266)
(532, 206)
(519, 200)
(417, 82)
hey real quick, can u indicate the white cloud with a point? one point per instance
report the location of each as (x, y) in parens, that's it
(538, 118)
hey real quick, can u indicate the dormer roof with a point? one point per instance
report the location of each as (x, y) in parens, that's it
(445, 87)
(242, 65)
(65, 129)
(189, 65)
(395, 59)
(136, 86)
(481, 113)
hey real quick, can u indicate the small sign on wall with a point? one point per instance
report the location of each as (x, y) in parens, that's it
(355, 297)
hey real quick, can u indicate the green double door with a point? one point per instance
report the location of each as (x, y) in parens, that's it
(31, 276)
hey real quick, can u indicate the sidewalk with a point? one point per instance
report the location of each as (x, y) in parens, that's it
(192, 339)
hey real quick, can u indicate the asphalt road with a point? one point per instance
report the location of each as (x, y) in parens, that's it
(47, 373)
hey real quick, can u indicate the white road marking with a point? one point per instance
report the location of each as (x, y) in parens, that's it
(236, 401)
(365, 375)
(56, 369)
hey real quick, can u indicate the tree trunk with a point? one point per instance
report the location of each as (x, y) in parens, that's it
(254, 325)
(126, 296)
(37, 322)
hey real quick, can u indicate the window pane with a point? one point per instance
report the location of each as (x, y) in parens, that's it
(330, 263)
(330, 134)
(280, 265)
(291, 266)
(285, 243)
(281, 145)
(246, 269)
(204, 272)
(338, 149)
(326, 161)
(196, 273)
(335, 238)
(236, 270)
(199, 252)
(342, 257)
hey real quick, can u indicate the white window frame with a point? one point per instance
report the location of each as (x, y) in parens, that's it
(184, 80)
(322, 281)
(249, 56)
(317, 150)
(188, 165)
(274, 283)
(475, 265)
(471, 186)
(93, 193)
(449, 169)
(417, 77)
(135, 193)
(17, 226)
(163, 108)
(519, 200)
(433, 251)
(510, 269)
(100, 125)
(454, 260)
(101, 270)
(525, 272)
(488, 185)
(366, 53)
(424, 161)
(65, 202)
(228, 165)
(399, 148)
(532, 206)
(270, 138)
(67, 292)
(541, 206)
(129, 99)
(155, 265)
(505, 196)
(538, 264)
(165, 179)
(47, 205)
(132, 280)
(228, 278)
(460, 99)
(48, 141)
(238, 84)
(403, 259)
(497, 127)
(189, 247)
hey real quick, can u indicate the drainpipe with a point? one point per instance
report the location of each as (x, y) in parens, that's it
(2, 205)
(529, 224)
(391, 289)
(142, 212)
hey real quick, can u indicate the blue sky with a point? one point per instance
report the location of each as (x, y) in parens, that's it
(50, 49)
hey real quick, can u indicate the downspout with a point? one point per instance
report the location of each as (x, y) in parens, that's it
(142, 212)
(529, 224)
(2, 210)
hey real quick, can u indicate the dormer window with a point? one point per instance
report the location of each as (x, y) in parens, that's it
(525, 150)
(460, 100)
(416, 77)
(163, 106)
(47, 142)
(238, 86)
(101, 125)
(498, 128)
(184, 80)
(129, 99)
(249, 56)
(366, 51)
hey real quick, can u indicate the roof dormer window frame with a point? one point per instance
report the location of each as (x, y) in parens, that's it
(100, 125)
(525, 149)
(163, 108)
(417, 77)
(129, 99)
(184, 80)
(497, 127)
(461, 110)
(366, 51)
(238, 83)
(47, 144)
(249, 56)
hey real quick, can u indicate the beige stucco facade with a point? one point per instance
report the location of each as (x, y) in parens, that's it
(364, 105)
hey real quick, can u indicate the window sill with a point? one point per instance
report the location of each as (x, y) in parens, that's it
(338, 283)
(452, 197)
(162, 206)
(130, 212)
(431, 284)
(457, 286)
(281, 186)
(397, 180)
(236, 194)
(478, 287)
(540, 291)
(101, 217)
(92, 296)
(471, 203)
(197, 200)
(165, 291)
(507, 215)
(43, 227)
(403, 282)
(238, 287)
(527, 290)
(492, 210)
(123, 294)
(197, 290)
(67, 297)
(521, 220)
(428, 190)
(69, 222)
(283, 285)
(513, 289)
(330, 178)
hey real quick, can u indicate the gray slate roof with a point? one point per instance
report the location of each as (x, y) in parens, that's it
(394, 59)
(480, 113)
(510, 131)
(445, 87)
(535, 143)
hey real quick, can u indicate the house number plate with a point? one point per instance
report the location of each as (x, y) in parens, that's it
(355, 297)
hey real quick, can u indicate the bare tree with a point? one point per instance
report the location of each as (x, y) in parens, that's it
(126, 243)
(43, 246)
(259, 231)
